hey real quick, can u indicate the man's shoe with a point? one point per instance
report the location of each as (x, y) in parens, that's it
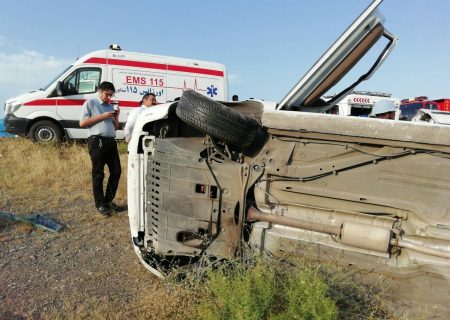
(115, 207)
(104, 211)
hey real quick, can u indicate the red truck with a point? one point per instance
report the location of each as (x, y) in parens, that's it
(409, 107)
(443, 104)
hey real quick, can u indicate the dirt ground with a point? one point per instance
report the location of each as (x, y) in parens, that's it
(41, 270)
(88, 269)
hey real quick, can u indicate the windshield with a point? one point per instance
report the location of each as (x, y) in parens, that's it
(56, 78)
(407, 112)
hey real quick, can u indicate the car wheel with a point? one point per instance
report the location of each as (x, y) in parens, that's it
(221, 122)
(45, 131)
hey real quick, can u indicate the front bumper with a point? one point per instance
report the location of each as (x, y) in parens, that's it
(15, 125)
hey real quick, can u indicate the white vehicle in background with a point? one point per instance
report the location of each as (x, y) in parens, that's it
(53, 112)
(432, 116)
(360, 103)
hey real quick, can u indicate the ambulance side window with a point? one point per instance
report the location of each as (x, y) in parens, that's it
(81, 81)
(88, 80)
(69, 84)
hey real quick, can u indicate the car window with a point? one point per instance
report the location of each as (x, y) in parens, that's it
(88, 80)
(69, 84)
(431, 106)
(81, 81)
(407, 112)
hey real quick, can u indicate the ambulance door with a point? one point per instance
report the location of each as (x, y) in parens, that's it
(74, 90)
(142, 74)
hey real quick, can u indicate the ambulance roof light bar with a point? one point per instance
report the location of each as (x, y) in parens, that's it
(115, 46)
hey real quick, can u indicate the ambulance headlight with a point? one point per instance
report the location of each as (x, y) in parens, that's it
(12, 107)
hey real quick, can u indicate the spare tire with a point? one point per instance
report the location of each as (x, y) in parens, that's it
(220, 122)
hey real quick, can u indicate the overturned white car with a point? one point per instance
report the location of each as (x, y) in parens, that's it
(432, 116)
(209, 179)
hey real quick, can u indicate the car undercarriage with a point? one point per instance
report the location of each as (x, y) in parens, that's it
(211, 181)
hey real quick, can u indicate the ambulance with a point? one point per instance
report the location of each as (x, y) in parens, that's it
(53, 112)
(360, 103)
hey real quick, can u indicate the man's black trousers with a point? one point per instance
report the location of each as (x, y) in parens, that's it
(104, 151)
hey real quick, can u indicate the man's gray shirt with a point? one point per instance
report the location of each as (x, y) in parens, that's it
(93, 107)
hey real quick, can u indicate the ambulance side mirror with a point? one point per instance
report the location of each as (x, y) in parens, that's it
(59, 88)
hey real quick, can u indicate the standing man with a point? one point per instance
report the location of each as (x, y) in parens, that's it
(148, 100)
(102, 121)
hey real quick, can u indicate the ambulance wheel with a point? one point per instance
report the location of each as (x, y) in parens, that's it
(45, 131)
(220, 122)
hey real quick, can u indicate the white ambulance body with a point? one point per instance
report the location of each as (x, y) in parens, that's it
(54, 112)
(360, 103)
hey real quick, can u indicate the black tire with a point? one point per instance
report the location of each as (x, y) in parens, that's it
(45, 131)
(221, 122)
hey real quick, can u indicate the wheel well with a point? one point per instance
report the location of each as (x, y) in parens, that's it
(30, 124)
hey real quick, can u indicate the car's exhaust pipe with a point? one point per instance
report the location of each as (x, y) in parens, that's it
(358, 235)
(350, 233)
(420, 248)
(256, 215)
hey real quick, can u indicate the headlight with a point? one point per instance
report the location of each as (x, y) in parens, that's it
(12, 107)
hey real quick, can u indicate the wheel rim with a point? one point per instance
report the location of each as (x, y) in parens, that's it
(45, 134)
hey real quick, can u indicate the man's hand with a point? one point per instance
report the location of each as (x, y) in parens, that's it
(93, 120)
(107, 115)
(116, 118)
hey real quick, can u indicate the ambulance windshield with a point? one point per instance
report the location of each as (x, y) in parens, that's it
(56, 78)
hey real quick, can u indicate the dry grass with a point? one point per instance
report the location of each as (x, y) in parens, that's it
(56, 180)
(35, 177)
(158, 303)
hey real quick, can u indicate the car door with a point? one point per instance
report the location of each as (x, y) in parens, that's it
(337, 61)
(75, 89)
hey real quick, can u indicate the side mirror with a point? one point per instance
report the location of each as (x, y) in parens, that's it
(59, 88)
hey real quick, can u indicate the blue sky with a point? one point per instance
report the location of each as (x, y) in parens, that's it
(267, 45)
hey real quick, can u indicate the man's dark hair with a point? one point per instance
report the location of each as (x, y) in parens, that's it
(105, 85)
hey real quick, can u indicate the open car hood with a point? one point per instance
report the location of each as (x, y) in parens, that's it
(338, 60)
